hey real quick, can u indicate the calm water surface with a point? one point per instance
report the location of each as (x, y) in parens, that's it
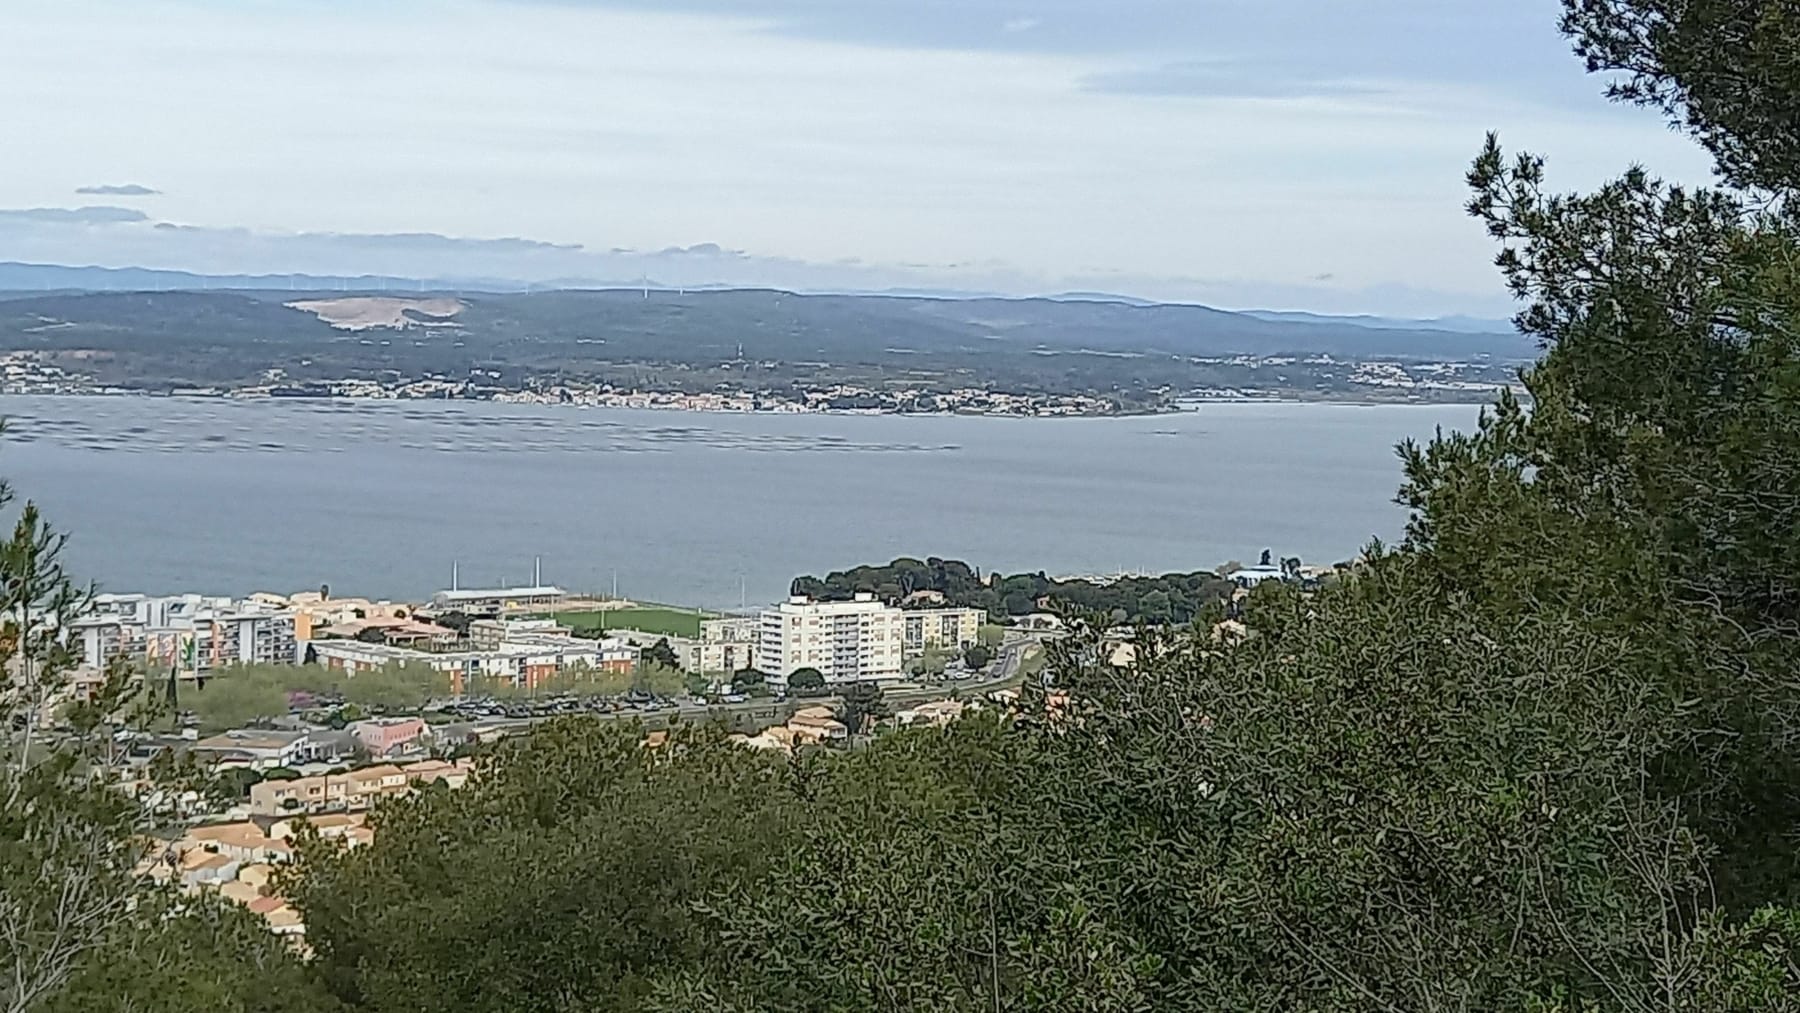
(378, 498)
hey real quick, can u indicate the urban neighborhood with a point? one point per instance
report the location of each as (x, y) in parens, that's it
(481, 665)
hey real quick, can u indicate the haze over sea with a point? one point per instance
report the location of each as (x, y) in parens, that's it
(379, 497)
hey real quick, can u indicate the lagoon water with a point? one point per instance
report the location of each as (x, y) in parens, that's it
(378, 498)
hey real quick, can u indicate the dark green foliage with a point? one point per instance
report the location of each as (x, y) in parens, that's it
(566, 872)
(1723, 70)
(977, 656)
(806, 681)
(862, 705)
(660, 653)
(1171, 598)
(1539, 757)
(190, 955)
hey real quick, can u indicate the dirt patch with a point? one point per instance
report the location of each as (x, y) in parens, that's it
(362, 313)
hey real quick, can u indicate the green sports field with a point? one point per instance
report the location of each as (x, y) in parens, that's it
(666, 621)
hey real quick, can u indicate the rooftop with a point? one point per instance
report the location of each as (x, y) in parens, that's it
(250, 738)
(481, 594)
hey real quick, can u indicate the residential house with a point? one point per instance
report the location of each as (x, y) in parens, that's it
(245, 842)
(200, 867)
(355, 790)
(813, 725)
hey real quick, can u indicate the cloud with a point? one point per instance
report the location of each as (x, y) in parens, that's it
(73, 216)
(696, 250)
(121, 237)
(117, 190)
(1016, 25)
(1228, 79)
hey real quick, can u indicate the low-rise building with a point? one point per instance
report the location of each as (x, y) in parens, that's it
(949, 628)
(488, 634)
(500, 600)
(935, 712)
(527, 663)
(387, 736)
(815, 725)
(256, 748)
(352, 791)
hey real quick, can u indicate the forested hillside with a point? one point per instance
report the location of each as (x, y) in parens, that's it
(1171, 597)
(154, 340)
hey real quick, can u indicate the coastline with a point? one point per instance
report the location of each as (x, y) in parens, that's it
(1179, 406)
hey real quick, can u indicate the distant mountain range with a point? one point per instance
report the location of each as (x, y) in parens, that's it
(1457, 324)
(19, 278)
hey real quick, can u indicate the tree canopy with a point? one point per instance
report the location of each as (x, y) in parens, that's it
(1540, 755)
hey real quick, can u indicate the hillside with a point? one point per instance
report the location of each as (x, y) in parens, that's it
(687, 339)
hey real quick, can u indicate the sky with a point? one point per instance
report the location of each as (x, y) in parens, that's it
(1284, 154)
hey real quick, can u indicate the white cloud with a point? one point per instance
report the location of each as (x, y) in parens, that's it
(1015, 25)
(617, 129)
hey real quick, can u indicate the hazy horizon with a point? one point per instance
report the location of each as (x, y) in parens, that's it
(1276, 155)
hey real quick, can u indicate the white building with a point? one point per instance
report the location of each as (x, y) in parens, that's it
(256, 749)
(1250, 576)
(526, 662)
(847, 641)
(193, 633)
(500, 599)
(731, 630)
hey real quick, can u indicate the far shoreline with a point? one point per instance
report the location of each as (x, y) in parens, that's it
(1182, 406)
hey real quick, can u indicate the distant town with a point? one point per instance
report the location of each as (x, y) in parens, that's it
(310, 708)
(31, 373)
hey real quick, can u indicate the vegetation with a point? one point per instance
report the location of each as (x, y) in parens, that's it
(1538, 757)
(665, 621)
(805, 681)
(244, 694)
(660, 653)
(81, 928)
(662, 680)
(861, 705)
(930, 662)
(774, 343)
(1171, 598)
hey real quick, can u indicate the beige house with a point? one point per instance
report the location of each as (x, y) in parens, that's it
(814, 725)
(357, 789)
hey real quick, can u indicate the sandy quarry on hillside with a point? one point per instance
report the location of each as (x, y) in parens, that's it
(362, 313)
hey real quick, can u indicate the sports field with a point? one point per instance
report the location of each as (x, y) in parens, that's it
(649, 619)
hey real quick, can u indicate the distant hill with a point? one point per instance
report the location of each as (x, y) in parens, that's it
(157, 330)
(767, 324)
(1454, 324)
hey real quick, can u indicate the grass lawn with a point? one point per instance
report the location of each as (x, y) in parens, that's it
(668, 622)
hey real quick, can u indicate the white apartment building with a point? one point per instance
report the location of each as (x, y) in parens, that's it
(193, 633)
(731, 630)
(847, 641)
